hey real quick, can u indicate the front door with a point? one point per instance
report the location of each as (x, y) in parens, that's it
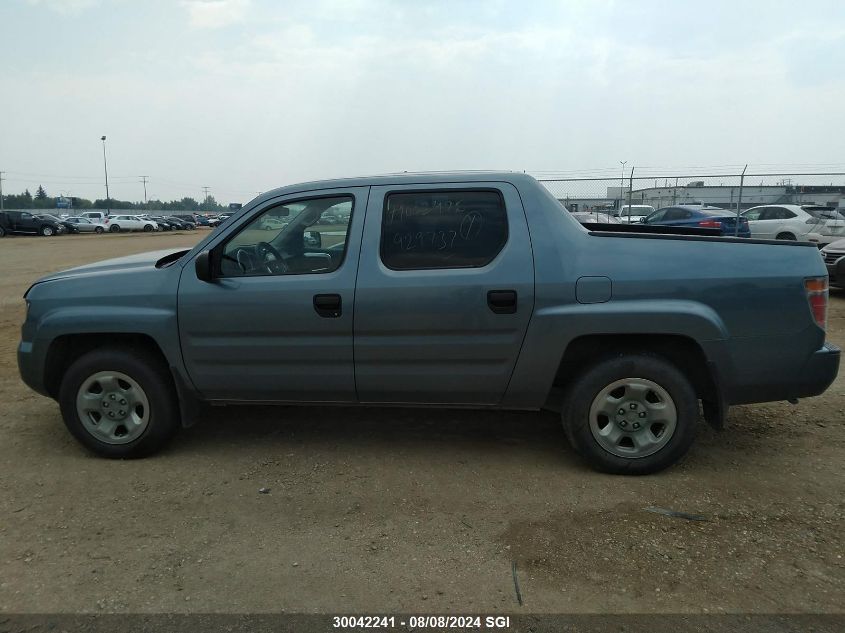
(445, 292)
(276, 323)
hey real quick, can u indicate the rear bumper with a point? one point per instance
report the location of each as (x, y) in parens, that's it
(818, 372)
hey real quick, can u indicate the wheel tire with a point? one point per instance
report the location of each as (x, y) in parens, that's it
(585, 392)
(148, 228)
(786, 236)
(114, 228)
(153, 378)
(98, 229)
(47, 231)
(2, 232)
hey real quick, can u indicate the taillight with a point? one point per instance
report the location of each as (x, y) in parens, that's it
(817, 293)
(710, 224)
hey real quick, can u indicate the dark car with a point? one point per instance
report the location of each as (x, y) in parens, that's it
(25, 223)
(180, 224)
(834, 258)
(201, 220)
(163, 223)
(699, 216)
(187, 218)
(67, 226)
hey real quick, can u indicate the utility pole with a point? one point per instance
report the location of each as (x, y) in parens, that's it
(1, 190)
(144, 180)
(622, 184)
(205, 191)
(106, 171)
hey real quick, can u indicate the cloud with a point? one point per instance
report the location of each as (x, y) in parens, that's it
(215, 14)
(65, 6)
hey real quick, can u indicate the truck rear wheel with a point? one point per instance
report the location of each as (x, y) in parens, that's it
(633, 414)
(119, 403)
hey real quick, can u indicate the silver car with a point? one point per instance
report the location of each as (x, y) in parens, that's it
(87, 225)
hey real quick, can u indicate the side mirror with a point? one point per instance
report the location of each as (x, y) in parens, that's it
(202, 264)
(312, 239)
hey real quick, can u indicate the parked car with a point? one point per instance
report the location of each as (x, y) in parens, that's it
(594, 217)
(812, 223)
(65, 226)
(834, 258)
(163, 223)
(188, 218)
(86, 225)
(201, 220)
(180, 224)
(634, 213)
(117, 223)
(26, 223)
(221, 219)
(213, 221)
(97, 216)
(272, 224)
(699, 216)
(467, 289)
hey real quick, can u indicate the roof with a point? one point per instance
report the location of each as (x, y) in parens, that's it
(403, 178)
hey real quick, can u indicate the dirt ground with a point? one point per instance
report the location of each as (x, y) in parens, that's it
(404, 510)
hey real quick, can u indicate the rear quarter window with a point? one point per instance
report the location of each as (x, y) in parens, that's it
(442, 229)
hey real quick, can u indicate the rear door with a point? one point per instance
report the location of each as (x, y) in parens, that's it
(444, 295)
(25, 222)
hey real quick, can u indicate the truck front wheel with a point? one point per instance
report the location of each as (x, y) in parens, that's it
(119, 402)
(633, 414)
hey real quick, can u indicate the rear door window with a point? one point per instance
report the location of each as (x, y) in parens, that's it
(442, 229)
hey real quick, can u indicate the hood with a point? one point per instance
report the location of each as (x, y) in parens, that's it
(838, 245)
(119, 264)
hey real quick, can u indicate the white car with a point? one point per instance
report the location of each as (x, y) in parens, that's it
(594, 217)
(94, 216)
(637, 211)
(119, 223)
(809, 223)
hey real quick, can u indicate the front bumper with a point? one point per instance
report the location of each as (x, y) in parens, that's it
(31, 367)
(836, 273)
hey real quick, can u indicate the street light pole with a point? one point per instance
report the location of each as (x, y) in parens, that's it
(622, 184)
(144, 180)
(106, 171)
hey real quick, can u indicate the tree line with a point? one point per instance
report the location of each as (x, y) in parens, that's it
(41, 200)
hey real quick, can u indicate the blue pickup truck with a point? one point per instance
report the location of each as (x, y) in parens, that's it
(438, 290)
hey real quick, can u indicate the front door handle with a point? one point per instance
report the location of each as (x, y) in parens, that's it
(502, 301)
(329, 306)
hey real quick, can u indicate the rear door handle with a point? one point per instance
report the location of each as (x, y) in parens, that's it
(329, 306)
(502, 301)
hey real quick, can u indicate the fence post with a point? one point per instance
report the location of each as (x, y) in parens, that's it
(739, 201)
(630, 188)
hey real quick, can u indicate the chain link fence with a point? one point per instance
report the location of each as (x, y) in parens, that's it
(726, 191)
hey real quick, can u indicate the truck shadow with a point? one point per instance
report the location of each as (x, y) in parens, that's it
(221, 428)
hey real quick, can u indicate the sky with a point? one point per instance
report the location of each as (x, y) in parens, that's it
(243, 96)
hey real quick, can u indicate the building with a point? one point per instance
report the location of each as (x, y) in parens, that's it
(726, 196)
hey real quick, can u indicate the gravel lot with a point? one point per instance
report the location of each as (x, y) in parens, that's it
(405, 510)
